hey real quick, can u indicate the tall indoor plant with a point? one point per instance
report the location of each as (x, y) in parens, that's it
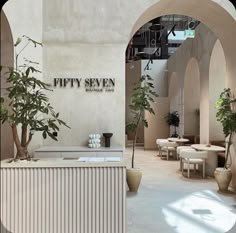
(142, 97)
(26, 105)
(172, 119)
(226, 114)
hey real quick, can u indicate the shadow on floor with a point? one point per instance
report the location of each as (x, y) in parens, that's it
(131, 194)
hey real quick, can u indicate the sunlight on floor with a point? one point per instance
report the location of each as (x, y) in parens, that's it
(200, 212)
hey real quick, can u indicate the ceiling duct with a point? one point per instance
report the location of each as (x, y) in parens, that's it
(156, 25)
(191, 25)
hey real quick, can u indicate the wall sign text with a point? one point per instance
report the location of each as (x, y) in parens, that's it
(90, 84)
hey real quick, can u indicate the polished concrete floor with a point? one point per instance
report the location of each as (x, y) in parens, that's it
(167, 202)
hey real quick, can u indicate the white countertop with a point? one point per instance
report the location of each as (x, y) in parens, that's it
(59, 162)
(207, 148)
(77, 148)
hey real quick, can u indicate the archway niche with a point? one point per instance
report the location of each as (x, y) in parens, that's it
(217, 77)
(174, 96)
(7, 145)
(192, 98)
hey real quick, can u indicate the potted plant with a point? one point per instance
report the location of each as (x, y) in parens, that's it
(26, 106)
(172, 119)
(226, 114)
(143, 94)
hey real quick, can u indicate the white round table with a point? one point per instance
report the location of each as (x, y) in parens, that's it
(211, 162)
(180, 141)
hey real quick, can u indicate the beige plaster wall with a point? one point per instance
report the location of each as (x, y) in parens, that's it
(132, 76)
(157, 126)
(192, 98)
(158, 71)
(217, 76)
(114, 22)
(87, 112)
(134, 70)
(174, 94)
(7, 147)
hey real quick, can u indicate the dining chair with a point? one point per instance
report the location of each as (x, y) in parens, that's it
(193, 157)
(179, 148)
(158, 144)
(169, 148)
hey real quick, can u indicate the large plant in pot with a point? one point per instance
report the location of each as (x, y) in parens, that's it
(26, 107)
(226, 114)
(142, 97)
(172, 119)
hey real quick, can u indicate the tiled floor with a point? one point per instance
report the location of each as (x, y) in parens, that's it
(167, 202)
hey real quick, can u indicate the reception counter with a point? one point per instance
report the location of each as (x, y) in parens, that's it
(63, 195)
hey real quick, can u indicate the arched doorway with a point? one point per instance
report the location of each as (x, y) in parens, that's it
(192, 98)
(207, 12)
(217, 74)
(174, 96)
(7, 146)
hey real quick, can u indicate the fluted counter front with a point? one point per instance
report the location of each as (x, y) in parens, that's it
(58, 196)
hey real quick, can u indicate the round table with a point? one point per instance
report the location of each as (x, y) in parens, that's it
(180, 141)
(211, 162)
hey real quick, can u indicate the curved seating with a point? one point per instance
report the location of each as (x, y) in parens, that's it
(193, 157)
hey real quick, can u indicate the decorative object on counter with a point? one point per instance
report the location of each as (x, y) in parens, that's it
(94, 141)
(107, 137)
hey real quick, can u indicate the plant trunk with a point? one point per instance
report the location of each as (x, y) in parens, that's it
(134, 144)
(16, 141)
(23, 135)
(228, 151)
(135, 138)
(22, 151)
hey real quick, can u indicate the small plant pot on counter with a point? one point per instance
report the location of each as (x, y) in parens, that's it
(223, 177)
(134, 176)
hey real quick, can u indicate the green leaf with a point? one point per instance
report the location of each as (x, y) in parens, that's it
(44, 134)
(18, 41)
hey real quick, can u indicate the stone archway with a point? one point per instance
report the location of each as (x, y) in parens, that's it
(207, 12)
(174, 96)
(192, 98)
(217, 74)
(7, 146)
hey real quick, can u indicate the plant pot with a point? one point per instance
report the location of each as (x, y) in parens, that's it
(223, 177)
(134, 176)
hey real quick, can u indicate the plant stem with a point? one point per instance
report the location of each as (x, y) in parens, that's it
(135, 138)
(228, 150)
(23, 135)
(17, 141)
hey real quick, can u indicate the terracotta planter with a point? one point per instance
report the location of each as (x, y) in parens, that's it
(223, 177)
(134, 176)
